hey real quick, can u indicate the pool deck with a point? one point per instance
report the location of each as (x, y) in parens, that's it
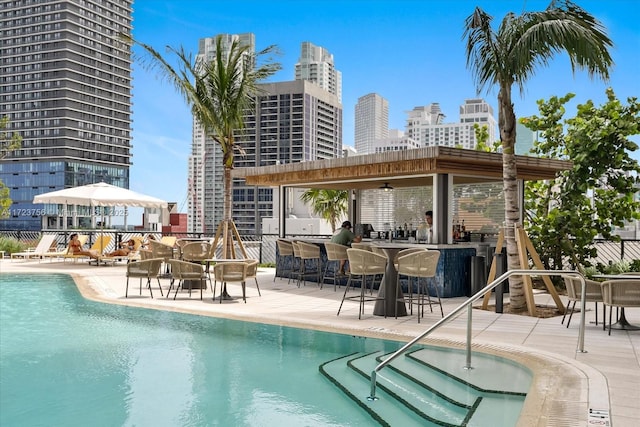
(570, 388)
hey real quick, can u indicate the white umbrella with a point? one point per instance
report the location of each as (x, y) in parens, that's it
(100, 194)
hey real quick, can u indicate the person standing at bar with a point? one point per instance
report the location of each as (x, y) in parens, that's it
(428, 218)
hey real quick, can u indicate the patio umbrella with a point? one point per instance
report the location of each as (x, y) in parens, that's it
(100, 194)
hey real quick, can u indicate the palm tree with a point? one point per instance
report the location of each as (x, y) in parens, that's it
(329, 204)
(220, 92)
(510, 56)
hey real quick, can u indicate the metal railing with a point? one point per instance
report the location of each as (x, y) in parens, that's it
(468, 304)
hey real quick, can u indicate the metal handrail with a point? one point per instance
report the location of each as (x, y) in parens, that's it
(474, 298)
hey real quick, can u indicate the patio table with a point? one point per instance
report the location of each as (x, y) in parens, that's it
(622, 323)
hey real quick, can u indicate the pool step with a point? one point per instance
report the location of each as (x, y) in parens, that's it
(412, 391)
(401, 400)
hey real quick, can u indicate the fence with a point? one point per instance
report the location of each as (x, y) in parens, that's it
(263, 247)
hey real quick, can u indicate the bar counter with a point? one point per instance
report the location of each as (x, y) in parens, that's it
(453, 273)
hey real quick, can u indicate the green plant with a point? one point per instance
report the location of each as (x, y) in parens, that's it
(634, 265)
(11, 245)
(614, 267)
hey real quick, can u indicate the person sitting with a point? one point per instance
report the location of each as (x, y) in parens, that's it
(145, 243)
(126, 248)
(345, 237)
(75, 248)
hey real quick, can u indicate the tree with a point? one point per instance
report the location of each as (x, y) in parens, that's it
(8, 142)
(219, 92)
(565, 215)
(510, 55)
(330, 205)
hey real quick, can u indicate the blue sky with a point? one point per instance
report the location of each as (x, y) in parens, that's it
(409, 51)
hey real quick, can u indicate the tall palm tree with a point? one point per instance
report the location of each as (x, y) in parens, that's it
(510, 55)
(220, 92)
(329, 204)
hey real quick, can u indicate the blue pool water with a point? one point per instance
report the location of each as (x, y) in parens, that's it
(67, 361)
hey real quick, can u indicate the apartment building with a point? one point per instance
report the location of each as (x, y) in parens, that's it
(426, 125)
(371, 122)
(65, 84)
(316, 65)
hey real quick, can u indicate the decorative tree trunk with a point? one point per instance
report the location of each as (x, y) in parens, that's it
(507, 125)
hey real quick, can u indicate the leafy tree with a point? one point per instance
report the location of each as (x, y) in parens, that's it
(482, 139)
(565, 215)
(220, 92)
(330, 205)
(510, 55)
(8, 142)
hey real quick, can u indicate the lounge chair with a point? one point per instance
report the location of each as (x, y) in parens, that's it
(82, 238)
(100, 245)
(134, 255)
(47, 241)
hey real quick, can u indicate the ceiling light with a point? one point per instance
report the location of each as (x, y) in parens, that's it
(386, 187)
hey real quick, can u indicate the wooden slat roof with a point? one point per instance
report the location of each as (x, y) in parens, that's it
(407, 168)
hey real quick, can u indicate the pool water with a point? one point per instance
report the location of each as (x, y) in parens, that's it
(67, 361)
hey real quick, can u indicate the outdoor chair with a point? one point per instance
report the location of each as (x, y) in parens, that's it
(230, 271)
(82, 238)
(335, 254)
(144, 269)
(252, 272)
(360, 245)
(182, 271)
(195, 251)
(377, 250)
(404, 252)
(100, 245)
(47, 241)
(160, 250)
(574, 294)
(364, 264)
(296, 264)
(168, 240)
(420, 265)
(620, 293)
(133, 255)
(309, 254)
(285, 260)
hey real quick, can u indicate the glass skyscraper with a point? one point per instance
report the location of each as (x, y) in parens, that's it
(65, 84)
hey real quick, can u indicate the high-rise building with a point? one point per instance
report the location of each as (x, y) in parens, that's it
(205, 201)
(294, 121)
(316, 65)
(426, 125)
(65, 85)
(371, 122)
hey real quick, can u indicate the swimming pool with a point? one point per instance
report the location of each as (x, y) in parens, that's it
(68, 361)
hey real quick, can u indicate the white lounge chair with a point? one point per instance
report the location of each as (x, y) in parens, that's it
(43, 247)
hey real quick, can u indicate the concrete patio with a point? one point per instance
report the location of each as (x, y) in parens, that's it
(599, 387)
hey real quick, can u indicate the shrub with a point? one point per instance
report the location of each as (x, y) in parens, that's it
(11, 245)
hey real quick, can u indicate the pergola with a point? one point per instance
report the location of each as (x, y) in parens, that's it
(440, 167)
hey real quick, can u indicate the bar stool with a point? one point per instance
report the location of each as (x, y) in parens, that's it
(285, 260)
(296, 264)
(309, 252)
(364, 264)
(360, 245)
(419, 265)
(336, 253)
